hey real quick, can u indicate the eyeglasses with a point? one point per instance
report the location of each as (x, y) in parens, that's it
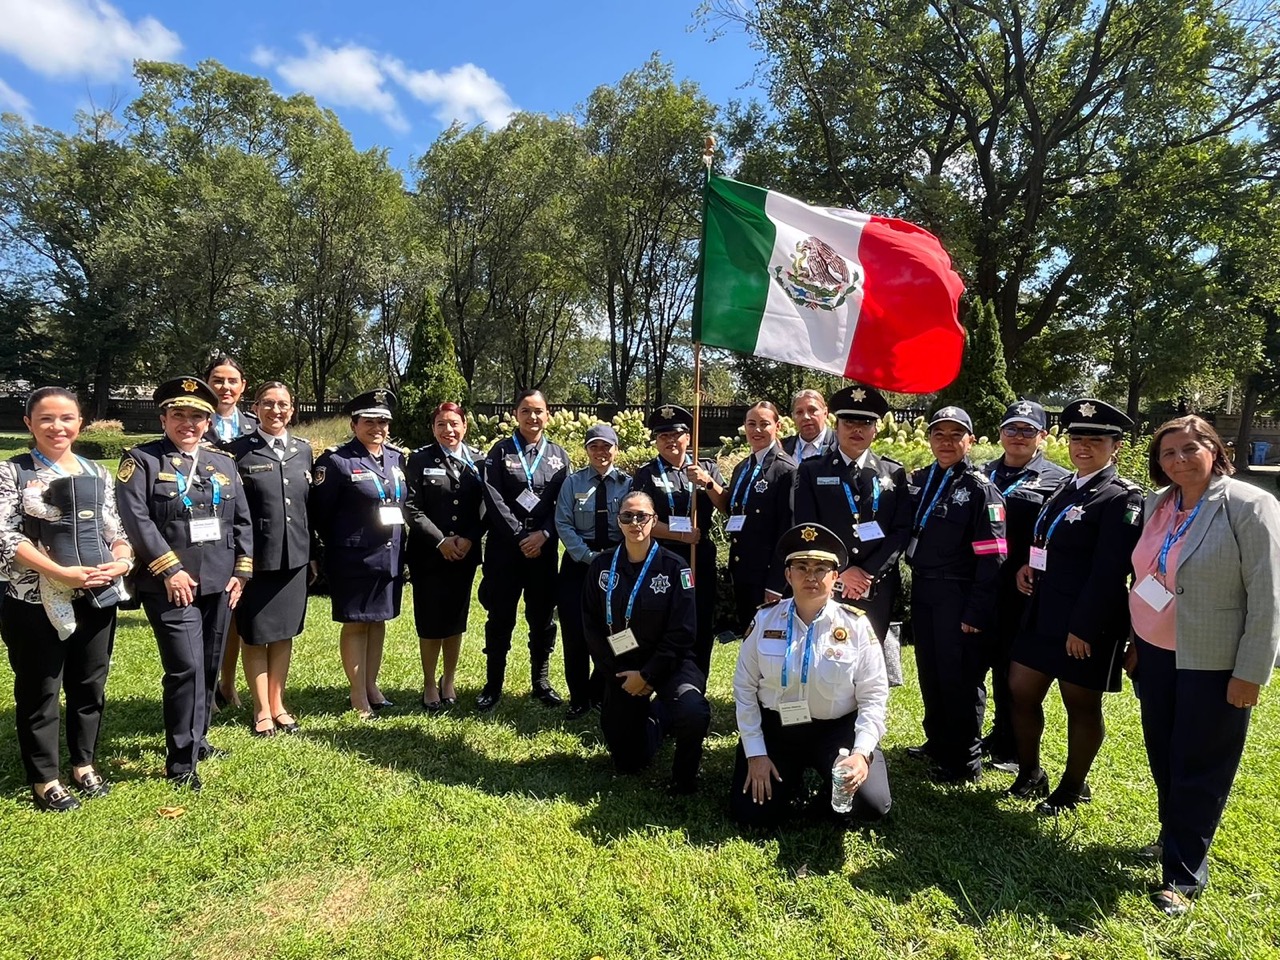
(813, 571)
(635, 517)
(275, 404)
(1019, 430)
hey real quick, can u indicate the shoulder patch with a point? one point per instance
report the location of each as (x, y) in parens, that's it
(686, 578)
(125, 471)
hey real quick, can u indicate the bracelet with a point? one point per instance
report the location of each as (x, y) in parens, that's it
(129, 562)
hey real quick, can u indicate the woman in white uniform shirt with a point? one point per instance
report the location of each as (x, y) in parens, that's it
(810, 681)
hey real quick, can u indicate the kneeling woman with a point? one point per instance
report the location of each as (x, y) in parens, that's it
(810, 682)
(638, 617)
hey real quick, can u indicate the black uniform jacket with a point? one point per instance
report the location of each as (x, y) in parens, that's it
(1025, 490)
(1084, 588)
(158, 521)
(820, 498)
(964, 536)
(504, 481)
(348, 490)
(277, 491)
(764, 499)
(446, 499)
(663, 619)
(658, 478)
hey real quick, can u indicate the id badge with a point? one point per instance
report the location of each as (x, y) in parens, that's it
(1039, 558)
(624, 641)
(528, 499)
(205, 530)
(1153, 593)
(794, 712)
(870, 531)
(680, 525)
(391, 516)
(911, 547)
(735, 523)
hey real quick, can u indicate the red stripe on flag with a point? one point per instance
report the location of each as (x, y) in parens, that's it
(909, 338)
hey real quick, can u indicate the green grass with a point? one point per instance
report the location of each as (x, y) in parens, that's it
(508, 836)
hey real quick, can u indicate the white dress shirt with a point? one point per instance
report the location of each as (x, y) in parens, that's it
(862, 458)
(846, 673)
(805, 449)
(270, 439)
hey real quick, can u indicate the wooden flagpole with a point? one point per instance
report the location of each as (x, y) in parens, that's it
(708, 151)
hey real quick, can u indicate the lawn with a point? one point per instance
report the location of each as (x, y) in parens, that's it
(507, 836)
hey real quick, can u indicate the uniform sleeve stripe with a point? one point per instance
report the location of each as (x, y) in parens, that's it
(985, 547)
(244, 565)
(163, 562)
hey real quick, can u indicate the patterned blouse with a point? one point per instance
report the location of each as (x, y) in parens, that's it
(21, 582)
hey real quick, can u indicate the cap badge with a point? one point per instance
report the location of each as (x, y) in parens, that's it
(1023, 409)
(380, 397)
(189, 386)
(808, 534)
(667, 412)
(1087, 409)
(859, 394)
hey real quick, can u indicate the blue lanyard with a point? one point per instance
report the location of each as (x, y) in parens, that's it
(946, 482)
(465, 459)
(1044, 512)
(742, 476)
(1015, 485)
(808, 647)
(635, 588)
(84, 464)
(666, 485)
(182, 488)
(382, 491)
(875, 499)
(1173, 536)
(529, 472)
(234, 420)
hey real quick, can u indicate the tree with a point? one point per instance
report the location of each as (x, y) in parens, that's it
(431, 376)
(982, 389)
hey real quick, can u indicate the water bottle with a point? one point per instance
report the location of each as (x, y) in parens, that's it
(841, 789)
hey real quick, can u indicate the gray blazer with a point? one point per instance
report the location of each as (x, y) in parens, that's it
(1228, 576)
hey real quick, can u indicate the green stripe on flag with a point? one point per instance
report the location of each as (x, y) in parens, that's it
(738, 242)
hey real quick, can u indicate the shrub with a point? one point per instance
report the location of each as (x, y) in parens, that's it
(107, 444)
(105, 426)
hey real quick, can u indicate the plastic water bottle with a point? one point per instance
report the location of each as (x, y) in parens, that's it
(841, 789)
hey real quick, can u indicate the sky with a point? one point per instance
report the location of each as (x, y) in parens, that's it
(395, 72)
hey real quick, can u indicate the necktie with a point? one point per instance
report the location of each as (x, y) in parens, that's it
(602, 513)
(278, 446)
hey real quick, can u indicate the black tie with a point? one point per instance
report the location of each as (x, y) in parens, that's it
(602, 514)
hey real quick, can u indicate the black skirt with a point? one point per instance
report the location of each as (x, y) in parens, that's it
(273, 606)
(1048, 654)
(365, 599)
(441, 596)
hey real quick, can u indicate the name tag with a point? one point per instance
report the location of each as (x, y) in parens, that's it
(259, 468)
(680, 525)
(528, 499)
(204, 530)
(828, 481)
(1040, 559)
(1153, 593)
(794, 712)
(391, 516)
(735, 523)
(433, 472)
(870, 531)
(361, 475)
(624, 641)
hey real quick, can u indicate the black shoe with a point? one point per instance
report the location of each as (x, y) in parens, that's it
(488, 699)
(919, 753)
(431, 706)
(381, 705)
(290, 727)
(445, 702)
(1152, 851)
(188, 781)
(955, 775)
(1063, 799)
(92, 785)
(208, 752)
(1171, 901)
(57, 799)
(1029, 786)
(1004, 764)
(269, 732)
(682, 788)
(576, 711)
(547, 694)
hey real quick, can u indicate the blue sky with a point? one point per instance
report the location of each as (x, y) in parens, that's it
(396, 73)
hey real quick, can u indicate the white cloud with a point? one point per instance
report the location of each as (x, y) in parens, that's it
(466, 93)
(77, 38)
(12, 101)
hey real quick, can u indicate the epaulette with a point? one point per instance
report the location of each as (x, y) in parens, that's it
(977, 474)
(771, 603)
(888, 459)
(393, 448)
(302, 439)
(212, 448)
(850, 608)
(330, 449)
(1129, 484)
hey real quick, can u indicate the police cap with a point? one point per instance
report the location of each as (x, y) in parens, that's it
(190, 392)
(1025, 411)
(859, 402)
(601, 431)
(670, 418)
(1093, 418)
(953, 415)
(373, 403)
(812, 541)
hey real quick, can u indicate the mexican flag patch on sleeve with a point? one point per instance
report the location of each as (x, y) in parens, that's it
(995, 512)
(1132, 514)
(686, 578)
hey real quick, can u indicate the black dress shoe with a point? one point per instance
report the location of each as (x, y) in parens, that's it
(919, 753)
(92, 785)
(1063, 799)
(268, 732)
(1004, 764)
(381, 704)
(1030, 785)
(186, 781)
(548, 696)
(488, 699)
(955, 775)
(1171, 901)
(1152, 851)
(445, 702)
(290, 727)
(56, 799)
(431, 706)
(208, 752)
(577, 710)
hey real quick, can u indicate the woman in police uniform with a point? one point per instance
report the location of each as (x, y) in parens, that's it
(275, 468)
(1078, 616)
(184, 508)
(445, 509)
(357, 512)
(759, 512)
(638, 615)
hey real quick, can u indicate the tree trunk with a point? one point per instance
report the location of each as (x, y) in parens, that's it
(1247, 408)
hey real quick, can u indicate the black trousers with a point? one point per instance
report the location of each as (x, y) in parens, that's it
(42, 665)
(747, 597)
(585, 683)
(507, 574)
(706, 578)
(1194, 743)
(800, 747)
(191, 640)
(951, 666)
(633, 727)
(1001, 742)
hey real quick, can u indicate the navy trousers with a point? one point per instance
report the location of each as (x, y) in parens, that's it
(951, 666)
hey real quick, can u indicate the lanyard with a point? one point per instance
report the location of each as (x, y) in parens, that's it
(382, 491)
(921, 520)
(808, 647)
(875, 498)
(234, 420)
(1173, 536)
(666, 485)
(529, 471)
(635, 588)
(1044, 512)
(182, 485)
(742, 476)
(464, 459)
(84, 465)
(1015, 485)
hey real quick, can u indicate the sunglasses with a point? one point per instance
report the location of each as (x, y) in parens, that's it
(1019, 430)
(635, 517)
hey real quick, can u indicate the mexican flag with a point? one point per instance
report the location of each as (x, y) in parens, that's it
(871, 298)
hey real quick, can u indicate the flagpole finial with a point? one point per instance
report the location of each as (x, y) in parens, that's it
(708, 151)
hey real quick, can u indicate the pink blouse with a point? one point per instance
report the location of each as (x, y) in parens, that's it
(1157, 627)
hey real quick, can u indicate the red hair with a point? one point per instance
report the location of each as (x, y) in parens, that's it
(449, 407)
